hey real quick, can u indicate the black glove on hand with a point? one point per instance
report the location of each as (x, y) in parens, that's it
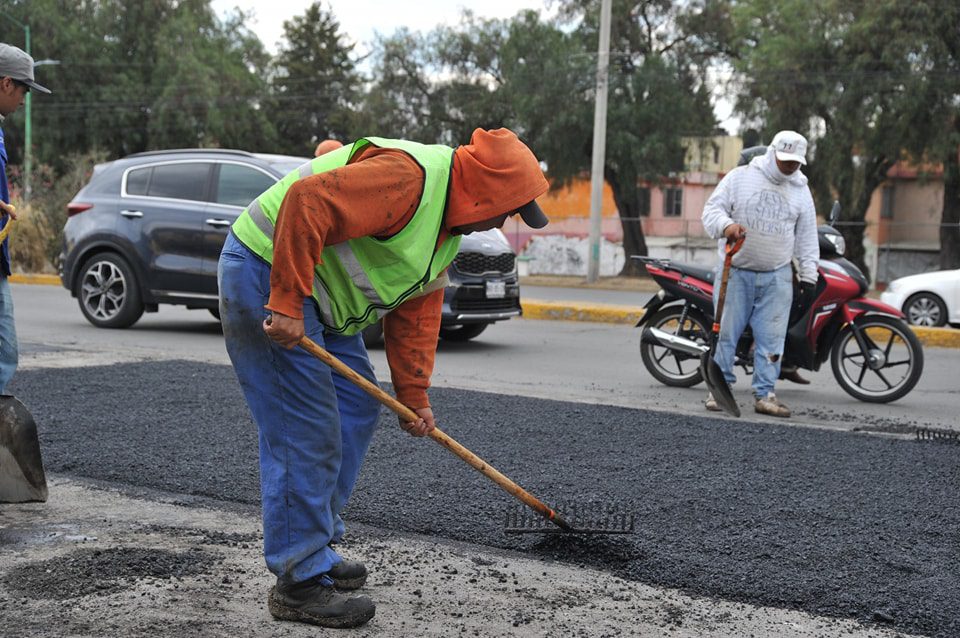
(808, 292)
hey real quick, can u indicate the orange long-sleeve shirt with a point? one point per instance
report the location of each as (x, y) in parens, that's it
(376, 194)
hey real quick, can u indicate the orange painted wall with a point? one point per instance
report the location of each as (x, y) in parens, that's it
(574, 201)
(568, 209)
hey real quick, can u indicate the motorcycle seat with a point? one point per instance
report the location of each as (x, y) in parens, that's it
(703, 274)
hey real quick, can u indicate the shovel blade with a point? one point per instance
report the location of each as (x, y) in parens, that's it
(718, 385)
(21, 468)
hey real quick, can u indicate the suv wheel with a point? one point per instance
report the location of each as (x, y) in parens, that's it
(464, 332)
(108, 293)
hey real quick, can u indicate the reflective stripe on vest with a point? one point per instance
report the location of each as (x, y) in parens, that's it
(361, 280)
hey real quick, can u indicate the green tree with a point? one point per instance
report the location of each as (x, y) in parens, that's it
(205, 94)
(871, 83)
(927, 38)
(133, 76)
(538, 79)
(403, 99)
(316, 84)
(657, 96)
(139, 75)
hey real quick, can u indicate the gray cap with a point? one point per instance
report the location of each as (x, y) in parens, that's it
(15, 63)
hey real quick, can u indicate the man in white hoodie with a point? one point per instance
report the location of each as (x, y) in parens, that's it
(767, 202)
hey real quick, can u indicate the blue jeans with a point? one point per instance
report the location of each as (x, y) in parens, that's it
(314, 426)
(761, 300)
(9, 351)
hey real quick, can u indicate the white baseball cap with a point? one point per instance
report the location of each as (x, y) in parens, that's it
(790, 146)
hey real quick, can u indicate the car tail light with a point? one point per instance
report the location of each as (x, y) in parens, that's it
(75, 208)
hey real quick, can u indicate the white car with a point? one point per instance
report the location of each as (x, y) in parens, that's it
(928, 299)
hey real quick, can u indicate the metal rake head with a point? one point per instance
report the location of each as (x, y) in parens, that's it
(938, 434)
(575, 518)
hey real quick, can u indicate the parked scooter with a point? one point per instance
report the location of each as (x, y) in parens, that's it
(874, 354)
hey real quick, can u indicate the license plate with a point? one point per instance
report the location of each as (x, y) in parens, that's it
(496, 289)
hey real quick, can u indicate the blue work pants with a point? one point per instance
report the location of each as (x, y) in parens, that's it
(314, 425)
(761, 300)
(9, 351)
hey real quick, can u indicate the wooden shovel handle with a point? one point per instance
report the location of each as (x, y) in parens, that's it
(436, 434)
(730, 250)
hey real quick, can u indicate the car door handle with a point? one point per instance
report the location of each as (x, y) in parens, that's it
(218, 222)
(131, 214)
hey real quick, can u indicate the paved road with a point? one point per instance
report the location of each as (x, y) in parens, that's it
(833, 523)
(589, 362)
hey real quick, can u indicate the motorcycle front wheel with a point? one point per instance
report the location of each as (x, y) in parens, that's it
(670, 367)
(889, 369)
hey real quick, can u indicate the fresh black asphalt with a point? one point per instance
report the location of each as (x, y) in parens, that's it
(833, 523)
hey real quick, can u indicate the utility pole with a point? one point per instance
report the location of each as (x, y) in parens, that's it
(599, 144)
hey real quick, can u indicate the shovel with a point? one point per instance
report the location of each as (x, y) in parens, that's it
(709, 368)
(21, 468)
(408, 415)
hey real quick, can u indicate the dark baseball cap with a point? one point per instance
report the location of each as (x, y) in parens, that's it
(17, 64)
(532, 215)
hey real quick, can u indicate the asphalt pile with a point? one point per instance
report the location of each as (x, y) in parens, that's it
(834, 523)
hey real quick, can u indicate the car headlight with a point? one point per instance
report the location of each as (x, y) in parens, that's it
(838, 243)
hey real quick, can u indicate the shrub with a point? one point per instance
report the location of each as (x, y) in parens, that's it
(29, 239)
(47, 210)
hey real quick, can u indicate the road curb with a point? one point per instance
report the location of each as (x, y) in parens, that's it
(567, 311)
(28, 278)
(607, 313)
(938, 337)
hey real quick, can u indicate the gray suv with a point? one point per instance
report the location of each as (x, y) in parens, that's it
(147, 230)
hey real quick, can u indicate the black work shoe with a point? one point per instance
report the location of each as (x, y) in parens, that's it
(316, 601)
(348, 574)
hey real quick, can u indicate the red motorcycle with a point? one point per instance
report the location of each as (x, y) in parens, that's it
(874, 354)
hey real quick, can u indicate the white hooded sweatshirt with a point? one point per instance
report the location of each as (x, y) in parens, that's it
(777, 211)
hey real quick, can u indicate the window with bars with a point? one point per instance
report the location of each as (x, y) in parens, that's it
(886, 202)
(672, 202)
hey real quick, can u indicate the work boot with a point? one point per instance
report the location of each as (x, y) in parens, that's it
(771, 405)
(793, 374)
(348, 574)
(316, 601)
(711, 404)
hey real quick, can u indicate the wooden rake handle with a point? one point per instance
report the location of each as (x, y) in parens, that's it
(436, 434)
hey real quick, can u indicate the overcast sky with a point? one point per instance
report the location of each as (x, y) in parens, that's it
(361, 19)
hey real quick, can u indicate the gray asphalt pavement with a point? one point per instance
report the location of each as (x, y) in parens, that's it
(831, 523)
(578, 361)
(743, 527)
